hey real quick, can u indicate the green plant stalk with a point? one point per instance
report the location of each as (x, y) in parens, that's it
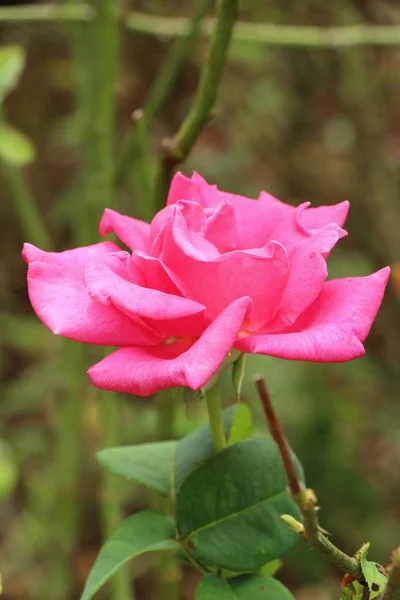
(210, 78)
(169, 573)
(163, 84)
(262, 33)
(178, 148)
(214, 409)
(272, 34)
(68, 453)
(111, 514)
(42, 13)
(30, 219)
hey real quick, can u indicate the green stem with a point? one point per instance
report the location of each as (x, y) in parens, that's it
(69, 448)
(111, 513)
(30, 219)
(392, 591)
(262, 33)
(271, 34)
(214, 408)
(306, 501)
(210, 78)
(42, 13)
(178, 148)
(169, 573)
(164, 82)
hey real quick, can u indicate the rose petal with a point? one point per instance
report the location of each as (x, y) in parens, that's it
(182, 363)
(295, 228)
(334, 326)
(221, 228)
(308, 271)
(262, 220)
(59, 297)
(320, 216)
(215, 280)
(132, 232)
(107, 282)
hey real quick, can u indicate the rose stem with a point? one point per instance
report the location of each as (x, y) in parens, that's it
(214, 409)
(161, 88)
(304, 498)
(168, 567)
(392, 591)
(178, 148)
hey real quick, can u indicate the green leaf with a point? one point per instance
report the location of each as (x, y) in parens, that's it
(15, 147)
(271, 568)
(146, 531)
(197, 447)
(376, 580)
(12, 61)
(147, 464)
(238, 370)
(242, 424)
(244, 587)
(354, 591)
(238, 495)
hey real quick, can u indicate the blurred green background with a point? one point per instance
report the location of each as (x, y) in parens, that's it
(319, 124)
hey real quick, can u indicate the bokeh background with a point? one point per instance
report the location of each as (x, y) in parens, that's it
(315, 124)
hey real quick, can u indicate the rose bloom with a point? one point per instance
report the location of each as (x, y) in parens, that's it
(213, 271)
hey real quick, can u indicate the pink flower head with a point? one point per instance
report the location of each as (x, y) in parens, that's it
(211, 272)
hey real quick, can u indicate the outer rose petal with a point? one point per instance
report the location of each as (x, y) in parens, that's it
(182, 363)
(333, 328)
(315, 218)
(304, 222)
(132, 232)
(107, 282)
(59, 297)
(308, 271)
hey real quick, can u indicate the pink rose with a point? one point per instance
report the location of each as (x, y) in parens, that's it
(212, 271)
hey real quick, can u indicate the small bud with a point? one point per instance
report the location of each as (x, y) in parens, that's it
(307, 498)
(293, 524)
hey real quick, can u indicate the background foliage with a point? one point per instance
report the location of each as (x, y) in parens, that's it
(318, 124)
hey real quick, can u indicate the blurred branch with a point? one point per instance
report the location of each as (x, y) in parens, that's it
(78, 12)
(271, 34)
(305, 498)
(392, 591)
(171, 27)
(163, 84)
(178, 148)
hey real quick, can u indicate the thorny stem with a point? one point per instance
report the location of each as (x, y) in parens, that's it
(295, 486)
(178, 148)
(162, 86)
(304, 498)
